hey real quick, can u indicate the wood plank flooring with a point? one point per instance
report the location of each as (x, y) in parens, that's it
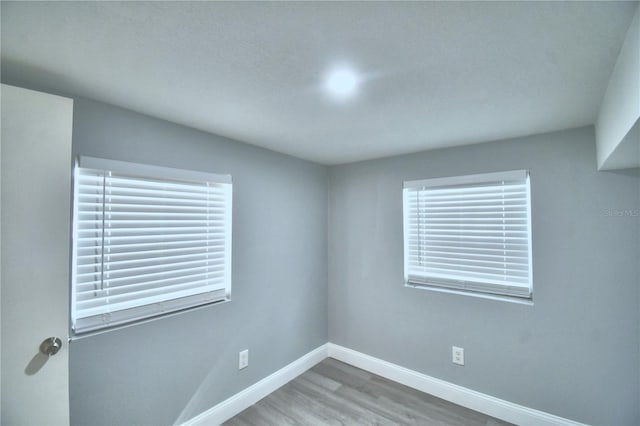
(335, 393)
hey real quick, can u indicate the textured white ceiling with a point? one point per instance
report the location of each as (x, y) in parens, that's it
(435, 74)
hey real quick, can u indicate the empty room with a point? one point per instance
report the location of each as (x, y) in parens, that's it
(320, 213)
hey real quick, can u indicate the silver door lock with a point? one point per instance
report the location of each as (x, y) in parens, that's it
(50, 346)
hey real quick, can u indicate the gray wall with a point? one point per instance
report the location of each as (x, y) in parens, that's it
(171, 369)
(574, 353)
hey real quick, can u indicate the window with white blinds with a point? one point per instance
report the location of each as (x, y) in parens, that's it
(147, 240)
(469, 233)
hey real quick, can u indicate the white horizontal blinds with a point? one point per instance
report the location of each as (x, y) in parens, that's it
(146, 245)
(469, 233)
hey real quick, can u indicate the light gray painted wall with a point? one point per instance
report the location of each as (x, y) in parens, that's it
(171, 369)
(574, 353)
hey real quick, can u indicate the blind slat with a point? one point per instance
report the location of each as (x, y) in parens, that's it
(94, 286)
(153, 256)
(158, 245)
(121, 295)
(136, 239)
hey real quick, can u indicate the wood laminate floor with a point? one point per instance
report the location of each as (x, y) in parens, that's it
(335, 393)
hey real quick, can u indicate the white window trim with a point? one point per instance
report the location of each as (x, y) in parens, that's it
(460, 285)
(81, 324)
(151, 170)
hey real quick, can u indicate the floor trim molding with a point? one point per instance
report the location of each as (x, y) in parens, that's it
(465, 397)
(495, 407)
(254, 393)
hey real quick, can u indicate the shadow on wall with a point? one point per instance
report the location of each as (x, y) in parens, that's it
(37, 362)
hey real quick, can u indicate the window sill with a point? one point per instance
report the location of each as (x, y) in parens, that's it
(77, 336)
(496, 297)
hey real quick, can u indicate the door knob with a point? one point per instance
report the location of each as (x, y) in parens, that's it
(50, 346)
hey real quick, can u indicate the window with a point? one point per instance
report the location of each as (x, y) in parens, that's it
(147, 240)
(469, 233)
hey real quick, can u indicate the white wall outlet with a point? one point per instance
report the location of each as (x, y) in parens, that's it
(243, 359)
(457, 355)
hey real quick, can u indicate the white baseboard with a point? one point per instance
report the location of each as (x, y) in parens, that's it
(465, 397)
(477, 401)
(254, 393)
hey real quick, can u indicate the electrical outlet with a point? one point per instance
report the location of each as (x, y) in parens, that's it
(457, 355)
(243, 359)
